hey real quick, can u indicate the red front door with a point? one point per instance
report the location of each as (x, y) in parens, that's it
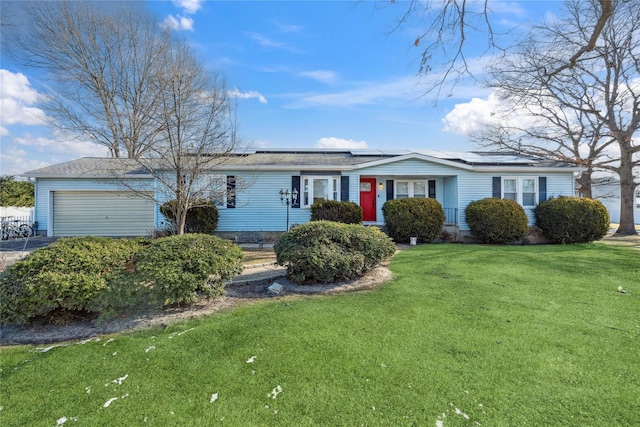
(368, 198)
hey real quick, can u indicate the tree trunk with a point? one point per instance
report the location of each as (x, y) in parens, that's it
(181, 219)
(584, 184)
(627, 190)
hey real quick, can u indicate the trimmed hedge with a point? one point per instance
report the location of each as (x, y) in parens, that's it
(64, 277)
(332, 210)
(181, 267)
(496, 221)
(202, 218)
(415, 217)
(326, 252)
(100, 275)
(572, 219)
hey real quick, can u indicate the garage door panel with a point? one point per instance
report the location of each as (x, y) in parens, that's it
(101, 213)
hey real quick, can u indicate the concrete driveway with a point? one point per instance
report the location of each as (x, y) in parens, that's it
(26, 245)
(14, 249)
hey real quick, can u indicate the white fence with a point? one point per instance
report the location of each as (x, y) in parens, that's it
(21, 213)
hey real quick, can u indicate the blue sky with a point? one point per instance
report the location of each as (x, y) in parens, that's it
(308, 74)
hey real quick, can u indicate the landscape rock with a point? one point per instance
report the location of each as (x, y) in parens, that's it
(276, 289)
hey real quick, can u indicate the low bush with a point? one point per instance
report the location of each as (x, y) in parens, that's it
(416, 217)
(202, 218)
(325, 251)
(63, 278)
(572, 219)
(332, 210)
(494, 220)
(100, 276)
(179, 268)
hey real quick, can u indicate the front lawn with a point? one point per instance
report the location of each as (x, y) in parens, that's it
(464, 335)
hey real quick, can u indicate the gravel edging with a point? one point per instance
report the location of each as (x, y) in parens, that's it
(236, 295)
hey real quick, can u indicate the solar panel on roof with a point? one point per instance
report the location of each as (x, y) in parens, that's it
(506, 159)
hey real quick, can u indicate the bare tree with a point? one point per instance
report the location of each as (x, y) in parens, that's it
(452, 27)
(101, 69)
(543, 128)
(123, 82)
(587, 113)
(198, 133)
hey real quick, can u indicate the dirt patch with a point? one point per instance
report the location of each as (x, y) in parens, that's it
(236, 295)
(632, 241)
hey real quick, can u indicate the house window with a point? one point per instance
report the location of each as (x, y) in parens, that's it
(315, 188)
(214, 188)
(411, 189)
(521, 189)
(638, 199)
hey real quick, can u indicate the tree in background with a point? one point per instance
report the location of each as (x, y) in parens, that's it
(453, 28)
(197, 118)
(102, 67)
(586, 113)
(16, 193)
(123, 82)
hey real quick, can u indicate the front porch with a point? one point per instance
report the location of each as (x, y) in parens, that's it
(376, 190)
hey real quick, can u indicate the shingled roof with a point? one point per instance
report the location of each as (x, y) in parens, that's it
(299, 159)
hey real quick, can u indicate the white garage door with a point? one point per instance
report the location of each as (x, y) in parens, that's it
(101, 213)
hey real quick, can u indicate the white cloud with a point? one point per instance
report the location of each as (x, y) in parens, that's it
(16, 100)
(287, 28)
(472, 116)
(178, 23)
(322, 76)
(333, 142)
(29, 151)
(270, 43)
(190, 6)
(59, 145)
(402, 89)
(14, 161)
(4, 131)
(259, 143)
(248, 95)
(267, 42)
(510, 8)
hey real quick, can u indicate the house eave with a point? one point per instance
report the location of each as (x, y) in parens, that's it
(527, 169)
(276, 168)
(413, 156)
(84, 176)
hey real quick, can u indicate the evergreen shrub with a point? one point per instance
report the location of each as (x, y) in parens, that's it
(63, 278)
(415, 217)
(100, 276)
(572, 219)
(201, 218)
(326, 252)
(332, 210)
(180, 268)
(496, 221)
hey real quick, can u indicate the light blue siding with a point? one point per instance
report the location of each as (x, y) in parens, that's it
(476, 186)
(258, 206)
(413, 167)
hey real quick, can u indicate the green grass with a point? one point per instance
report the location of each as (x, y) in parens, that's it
(464, 335)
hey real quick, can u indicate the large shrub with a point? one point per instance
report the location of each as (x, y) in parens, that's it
(572, 219)
(416, 217)
(332, 210)
(325, 251)
(179, 268)
(494, 220)
(101, 276)
(64, 277)
(202, 218)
